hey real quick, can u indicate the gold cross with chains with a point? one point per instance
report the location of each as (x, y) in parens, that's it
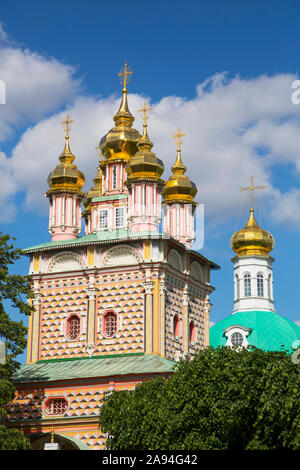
(145, 110)
(178, 137)
(97, 148)
(67, 125)
(251, 188)
(125, 73)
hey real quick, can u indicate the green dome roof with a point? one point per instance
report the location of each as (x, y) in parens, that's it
(270, 331)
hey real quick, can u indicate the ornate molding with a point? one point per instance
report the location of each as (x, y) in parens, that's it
(148, 286)
(90, 348)
(91, 292)
(37, 300)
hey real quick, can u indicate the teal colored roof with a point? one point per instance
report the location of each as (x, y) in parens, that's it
(47, 371)
(270, 331)
(92, 238)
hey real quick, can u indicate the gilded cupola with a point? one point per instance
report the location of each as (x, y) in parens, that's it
(97, 189)
(252, 239)
(144, 164)
(120, 143)
(66, 177)
(179, 188)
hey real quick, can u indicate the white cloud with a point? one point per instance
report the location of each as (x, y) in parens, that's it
(35, 86)
(234, 128)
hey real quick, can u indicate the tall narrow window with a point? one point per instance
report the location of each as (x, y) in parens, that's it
(119, 216)
(176, 326)
(260, 285)
(103, 218)
(247, 285)
(114, 177)
(192, 333)
(110, 324)
(73, 327)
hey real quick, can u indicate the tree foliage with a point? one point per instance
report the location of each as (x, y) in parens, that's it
(14, 289)
(222, 399)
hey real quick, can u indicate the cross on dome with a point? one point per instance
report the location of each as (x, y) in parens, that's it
(125, 74)
(251, 188)
(67, 125)
(145, 110)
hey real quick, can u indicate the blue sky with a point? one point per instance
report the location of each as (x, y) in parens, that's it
(221, 71)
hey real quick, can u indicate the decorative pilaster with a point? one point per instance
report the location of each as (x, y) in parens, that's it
(35, 334)
(148, 286)
(162, 299)
(185, 322)
(207, 308)
(91, 320)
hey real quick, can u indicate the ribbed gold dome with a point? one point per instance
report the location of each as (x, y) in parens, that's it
(66, 177)
(179, 188)
(252, 239)
(144, 164)
(120, 143)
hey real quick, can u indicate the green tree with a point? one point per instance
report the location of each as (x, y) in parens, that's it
(14, 289)
(222, 399)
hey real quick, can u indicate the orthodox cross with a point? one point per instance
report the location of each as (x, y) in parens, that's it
(97, 148)
(125, 74)
(251, 188)
(67, 125)
(178, 137)
(145, 110)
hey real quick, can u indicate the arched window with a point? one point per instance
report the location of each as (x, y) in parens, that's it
(56, 406)
(110, 324)
(237, 339)
(192, 332)
(73, 327)
(176, 326)
(247, 285)
(260, 285)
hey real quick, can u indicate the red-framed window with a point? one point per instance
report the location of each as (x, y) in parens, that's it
(192, 333)
(110, 324)
(56, 406)
(73, 327)
(176, 326)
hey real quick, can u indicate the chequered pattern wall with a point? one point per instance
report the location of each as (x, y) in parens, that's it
(173, 307)
(83, 402)
(57, 305)
(120, 292)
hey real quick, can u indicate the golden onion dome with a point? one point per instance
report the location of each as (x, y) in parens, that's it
(144, 164)
(179, 188)
(252, 239)
(66, 177)
(95, 191)
(120, 143)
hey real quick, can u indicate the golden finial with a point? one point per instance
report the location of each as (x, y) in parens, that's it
(125, 74)
(145, 110)
(67, 125)
(178, 137)
(179, 167)
(52, 434)
(251, 188)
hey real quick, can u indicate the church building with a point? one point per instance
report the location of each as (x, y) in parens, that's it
(254, 321)
(119, 304)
